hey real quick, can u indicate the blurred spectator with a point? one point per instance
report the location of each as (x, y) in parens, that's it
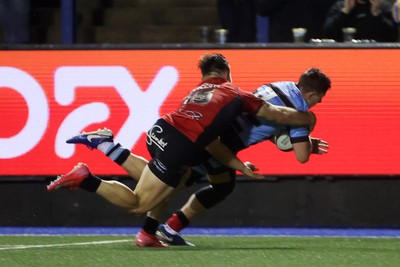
(14, 20)
(396, 11)
(239, 18)
(287, 14)
(372, 20)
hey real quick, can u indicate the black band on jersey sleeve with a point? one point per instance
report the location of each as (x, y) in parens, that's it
(300, 139)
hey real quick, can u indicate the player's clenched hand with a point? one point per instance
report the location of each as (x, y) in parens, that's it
(319, 146)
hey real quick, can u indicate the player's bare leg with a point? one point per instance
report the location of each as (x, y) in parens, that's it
(169, 232)
(103, 140)
(150, 191)
(134, 166)
(118, 194)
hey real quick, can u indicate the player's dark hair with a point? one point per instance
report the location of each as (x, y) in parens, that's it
(314, 79)
(216, 62)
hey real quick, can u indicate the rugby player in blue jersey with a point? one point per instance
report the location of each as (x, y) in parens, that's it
(246, 131)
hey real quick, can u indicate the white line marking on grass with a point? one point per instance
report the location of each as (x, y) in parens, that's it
(13, 247)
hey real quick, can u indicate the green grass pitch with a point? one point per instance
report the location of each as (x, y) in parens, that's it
(243, 251)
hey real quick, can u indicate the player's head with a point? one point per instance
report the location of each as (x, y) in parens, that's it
(214, 65)
(313, 84)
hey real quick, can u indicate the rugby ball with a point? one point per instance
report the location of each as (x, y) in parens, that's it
(282, 141)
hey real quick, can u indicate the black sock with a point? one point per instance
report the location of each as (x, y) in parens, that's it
(90, 183)
(150, 225)
(118, 154)
(184, 220)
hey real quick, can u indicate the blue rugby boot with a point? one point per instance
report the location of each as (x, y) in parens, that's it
(169, 236)
(92, 139)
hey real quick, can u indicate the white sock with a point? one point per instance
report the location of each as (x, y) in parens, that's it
(105, 146)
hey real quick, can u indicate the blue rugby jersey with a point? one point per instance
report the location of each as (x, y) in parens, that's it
(251, 130)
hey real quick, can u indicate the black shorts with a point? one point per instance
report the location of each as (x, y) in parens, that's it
(171, 151)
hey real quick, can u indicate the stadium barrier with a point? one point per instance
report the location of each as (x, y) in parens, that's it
(50, 92)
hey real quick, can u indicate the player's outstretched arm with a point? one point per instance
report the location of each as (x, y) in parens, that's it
(224, 155)
(303, 150)
(287, 116)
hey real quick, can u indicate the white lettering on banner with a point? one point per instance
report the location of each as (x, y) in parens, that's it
(38, 112)
(139, 119)
(78, 119)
